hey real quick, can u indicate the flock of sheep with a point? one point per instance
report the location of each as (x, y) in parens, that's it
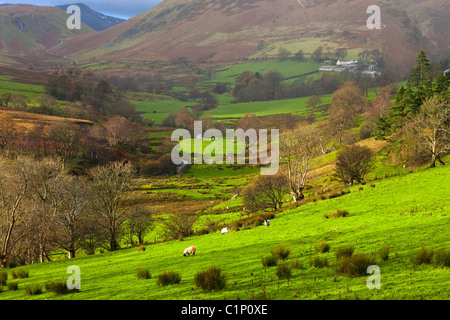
(192, 249)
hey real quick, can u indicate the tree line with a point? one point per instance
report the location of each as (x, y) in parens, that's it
(44, 210)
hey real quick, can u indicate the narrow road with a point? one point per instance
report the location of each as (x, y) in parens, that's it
(54, 54)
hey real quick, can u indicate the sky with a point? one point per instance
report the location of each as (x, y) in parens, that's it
(117, 8)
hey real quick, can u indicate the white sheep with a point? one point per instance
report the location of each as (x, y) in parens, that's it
(267, 223)
(189, 250)
(225, 230)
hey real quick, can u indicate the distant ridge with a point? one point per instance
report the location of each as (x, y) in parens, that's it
(96, 20)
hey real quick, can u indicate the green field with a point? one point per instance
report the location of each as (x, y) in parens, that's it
(32, 91)
(262, 108)
(402, 212)
(288, 68)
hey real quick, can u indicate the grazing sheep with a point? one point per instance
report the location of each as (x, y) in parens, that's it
(189, 250)
(225, 230)
(267, 223)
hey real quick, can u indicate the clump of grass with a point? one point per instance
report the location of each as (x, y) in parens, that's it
(318, 261)
(283, 271)
(355, 265)
(3, 278)
(269, 261)
(323, 247)
(13, 286)
(421, 257)
(210, 279)
(142, 274)
(19, 274)
(140, 248)
(297, 264)
(344, 252)
(337, 214)
(58, 287)
(33, 289)
(384, 253)
(168, 277)
(441, 258)
(281, 252)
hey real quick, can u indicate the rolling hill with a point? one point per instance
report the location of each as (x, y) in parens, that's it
(220, 31)
(414, 214)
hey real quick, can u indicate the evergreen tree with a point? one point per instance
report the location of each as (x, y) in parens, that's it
(421, 74)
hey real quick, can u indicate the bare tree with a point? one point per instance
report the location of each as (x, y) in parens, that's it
(432, 128)
(298, 149)
(353, 163)
(179, 225)
(14, 188)
(110, 183)
(267, 191)
(139, 223)
(346, 104)
(71, 201)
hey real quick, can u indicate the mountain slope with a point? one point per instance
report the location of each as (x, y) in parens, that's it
(96, 20)
(28, 30)
(223, 30)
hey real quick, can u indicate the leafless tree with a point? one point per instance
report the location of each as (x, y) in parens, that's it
(110, 184)
(431, 128)
(298, 149)
(353, 163)
(14, 187)
(179, 225)
(266, 191)
(346, 104)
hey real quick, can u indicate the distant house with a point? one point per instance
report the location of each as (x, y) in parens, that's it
(370, 73)
(340, 69)
(333, 68)
(326, 68)
(346, 62)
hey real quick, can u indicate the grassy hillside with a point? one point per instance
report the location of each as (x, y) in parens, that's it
(414, 211)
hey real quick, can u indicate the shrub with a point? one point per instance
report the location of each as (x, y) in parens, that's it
(323, 247)
(57, 287)
(441, 258)
(318, 261)
(344, 251)
(33, 289)
(269, 261)
(337, 214)
(3, 278)
(210, 279)
(13, 286)
(421, 257)
(281, 252)
(355, 265)
(143, 273)
(283, 271)
(168, 277)
(21, 273)
(384, 253)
